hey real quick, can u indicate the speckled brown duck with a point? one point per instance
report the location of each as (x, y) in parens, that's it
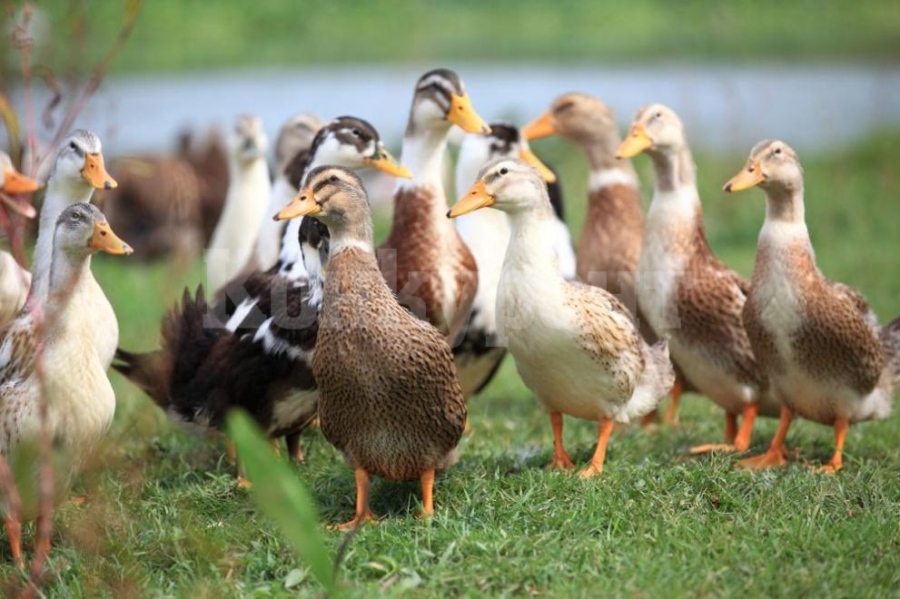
(685, 292)
(817, 341)
(575, 346)
(609, 247)
(424, 259)
(389, 398)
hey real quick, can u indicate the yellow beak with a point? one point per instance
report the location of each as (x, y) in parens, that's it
(747, 178)
(303, 204)
(16, 182)
(386, 163)
(540, 127)
(636, 142)
(464, 116)
(94, 172)
(528, 156)
(477, 197)
(105, 240)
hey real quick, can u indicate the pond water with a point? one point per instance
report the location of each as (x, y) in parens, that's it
(725, 107)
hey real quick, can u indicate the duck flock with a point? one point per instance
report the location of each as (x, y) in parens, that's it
(309, 323)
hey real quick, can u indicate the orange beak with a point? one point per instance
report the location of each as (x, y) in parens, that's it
(105, 240)
(528, 156)
(16, 182)
(94, 172)
(751, 176)
(303, 204)
(477, 197)
(386, 163)
(464, 116)
(540, 127)
(636, 142)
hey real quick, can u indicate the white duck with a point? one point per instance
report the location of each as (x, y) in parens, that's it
(575, 346)
(71, 371)
(249, 193)
(486, 232)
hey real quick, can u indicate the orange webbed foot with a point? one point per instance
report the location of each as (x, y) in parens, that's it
(591, 471)
(358, 520)
(712, 447)
(561, 461)
(243, 483)
(772, 458)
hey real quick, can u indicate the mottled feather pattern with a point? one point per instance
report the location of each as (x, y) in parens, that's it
(390, 399)
(420, 253)
(710, 301)
(890, 341)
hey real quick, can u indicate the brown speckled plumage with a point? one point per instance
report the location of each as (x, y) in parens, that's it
(389, 398)
(890, 341)
(419, 252)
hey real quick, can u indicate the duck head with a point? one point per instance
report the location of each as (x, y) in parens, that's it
(504, 141)
(82, 229)
(248, 141)
(440, 101)
(79, 162)
(655, 128)
(507, 184)
(352, 142)
(773, 165)
(295, 134)
(577, 117)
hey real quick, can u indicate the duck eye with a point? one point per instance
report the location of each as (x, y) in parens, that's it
(333, 179)
(355, 132)
(658, 115)
(778, 150)
(73, 146)
(504, 170)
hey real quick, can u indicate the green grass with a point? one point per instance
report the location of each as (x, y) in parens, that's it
(194, 34)
(164, 518)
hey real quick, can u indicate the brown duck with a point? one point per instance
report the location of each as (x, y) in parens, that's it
(816, 340)
(685, 292)
(424, 259)
(389, 398)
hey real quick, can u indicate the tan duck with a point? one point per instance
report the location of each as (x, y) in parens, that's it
(610, 243)
(685, 292)
(389, 398)
(575, 346)
(816, 340)
(71, 371)
(14, 280)
(486, 233)
(424, 259)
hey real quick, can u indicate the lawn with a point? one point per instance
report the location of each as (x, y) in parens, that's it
(163, 517)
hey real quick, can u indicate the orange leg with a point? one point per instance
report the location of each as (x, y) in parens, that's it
(427, 480)
(774, 456)
(14, 534)
(730, 432)
(742, 440)
(363, 514)
(671, 417)
(837, 461)
(595, 468)
(561, 459)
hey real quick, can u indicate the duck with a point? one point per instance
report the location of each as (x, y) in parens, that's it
(817, 341)
(69, 369)
(249, 190)
(14, 280)
(486, 233)
(424, 259)
(890, 340)
(685, 292)
(576, 346)
(609, 246)
(257, 356)
(77, 170)
(389, 397)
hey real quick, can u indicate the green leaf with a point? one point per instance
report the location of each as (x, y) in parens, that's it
(282, 497)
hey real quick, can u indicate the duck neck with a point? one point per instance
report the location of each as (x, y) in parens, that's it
(785, 205)
(60, 195)
(530, 242)
(601, 155)
(358, 235)
(423, 154)
(67, 271)
(674, 168)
